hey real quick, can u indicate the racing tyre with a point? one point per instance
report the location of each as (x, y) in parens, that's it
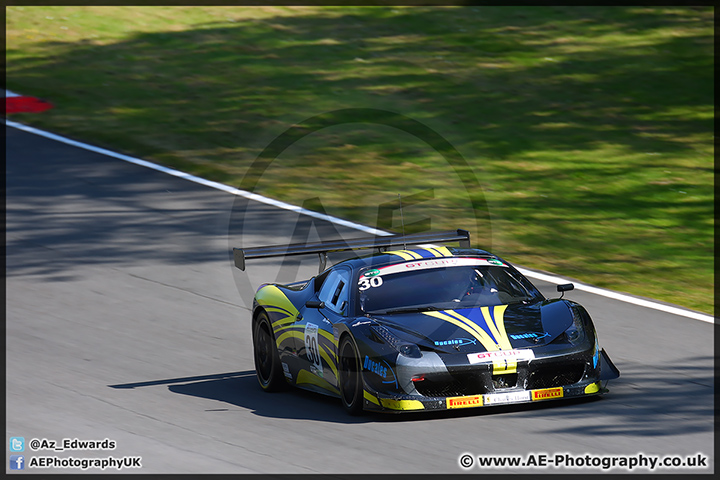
(351, 386)
(267, 361)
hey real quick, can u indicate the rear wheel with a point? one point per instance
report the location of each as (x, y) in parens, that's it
(267, 361)
(351, 386)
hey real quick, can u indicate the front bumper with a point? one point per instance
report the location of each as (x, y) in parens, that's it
(449, 382)
(375, 401)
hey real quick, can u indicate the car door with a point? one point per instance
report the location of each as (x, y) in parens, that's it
(316, 349)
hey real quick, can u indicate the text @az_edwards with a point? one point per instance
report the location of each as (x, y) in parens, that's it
(37, 445)
(21, 461)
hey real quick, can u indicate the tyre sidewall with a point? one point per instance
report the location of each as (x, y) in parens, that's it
(355, 406)
(275, 380)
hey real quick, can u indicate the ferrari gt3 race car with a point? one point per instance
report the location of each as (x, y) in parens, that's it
(423, 328)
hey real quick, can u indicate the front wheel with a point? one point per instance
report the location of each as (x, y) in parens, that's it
(267, 360)
(351, 385)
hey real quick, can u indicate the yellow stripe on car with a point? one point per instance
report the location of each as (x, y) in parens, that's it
(440, 251)
(274, 301)
(406, 254)
(402, 404)
(470, 327)
(370, 397)
(289, 334)
(437, 252)
(496, 324)
(327, 355)
(307, 378)
(496, 340)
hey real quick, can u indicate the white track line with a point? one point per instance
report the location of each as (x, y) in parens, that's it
(619, 296)
(193, 178)
(338, 221)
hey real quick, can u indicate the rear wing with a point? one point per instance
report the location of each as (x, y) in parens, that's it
(323, 248)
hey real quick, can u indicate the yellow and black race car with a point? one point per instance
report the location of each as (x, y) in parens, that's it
(421, 328)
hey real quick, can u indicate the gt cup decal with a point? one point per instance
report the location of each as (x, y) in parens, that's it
(487, 357)
(424, 264)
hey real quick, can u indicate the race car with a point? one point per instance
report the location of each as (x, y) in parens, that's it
(431, 327)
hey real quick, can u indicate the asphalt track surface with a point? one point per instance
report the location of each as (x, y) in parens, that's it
(127, 321)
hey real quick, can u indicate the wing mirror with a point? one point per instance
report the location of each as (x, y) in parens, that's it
(314, 304)
(565, 287)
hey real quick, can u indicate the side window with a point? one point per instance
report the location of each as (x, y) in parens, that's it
(334, 291)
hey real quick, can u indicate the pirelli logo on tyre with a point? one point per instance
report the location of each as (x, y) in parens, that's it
(465, 402)
(547, 393)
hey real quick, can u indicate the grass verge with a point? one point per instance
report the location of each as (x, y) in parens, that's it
(589, 130)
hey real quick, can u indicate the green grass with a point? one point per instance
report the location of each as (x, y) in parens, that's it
(589, 130)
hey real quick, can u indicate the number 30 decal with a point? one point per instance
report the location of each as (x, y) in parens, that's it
(313, 348)
(366, 283)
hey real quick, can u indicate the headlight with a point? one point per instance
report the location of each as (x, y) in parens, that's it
(575, 332)
(409, 350)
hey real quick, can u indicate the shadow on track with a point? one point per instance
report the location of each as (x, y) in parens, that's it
(645, 401)
(241, 389)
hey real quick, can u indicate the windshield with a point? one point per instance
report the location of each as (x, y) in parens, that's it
(439, 284)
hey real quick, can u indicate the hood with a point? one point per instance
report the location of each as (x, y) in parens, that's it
(482, 328)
